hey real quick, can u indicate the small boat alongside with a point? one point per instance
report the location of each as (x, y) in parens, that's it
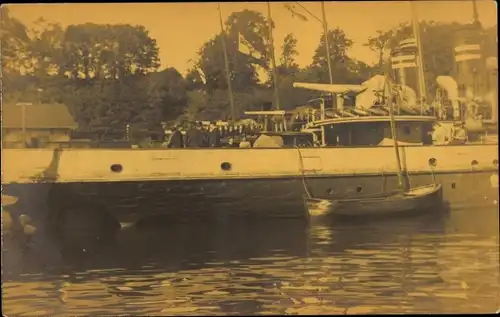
(404, 200)
(423, 198)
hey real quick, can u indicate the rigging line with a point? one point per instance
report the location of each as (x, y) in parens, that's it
(304, 184)
(310, 13)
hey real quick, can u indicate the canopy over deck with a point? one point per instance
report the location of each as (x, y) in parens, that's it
(366, 94)
(336, 89)
(268, 113)
(367, 119)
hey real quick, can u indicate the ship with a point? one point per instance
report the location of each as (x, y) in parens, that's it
(127, 185)
(79, 190)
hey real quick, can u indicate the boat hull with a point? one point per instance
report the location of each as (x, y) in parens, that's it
(422, 199)
(212, 199)
(214, 183)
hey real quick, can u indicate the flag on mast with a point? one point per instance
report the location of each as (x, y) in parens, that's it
(202, 75)
(242, 46)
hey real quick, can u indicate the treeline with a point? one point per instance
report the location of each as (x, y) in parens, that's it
(109, 75)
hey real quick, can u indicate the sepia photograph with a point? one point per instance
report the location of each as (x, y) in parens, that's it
(250, 158)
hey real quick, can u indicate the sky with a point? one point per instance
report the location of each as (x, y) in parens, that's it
(180, 29)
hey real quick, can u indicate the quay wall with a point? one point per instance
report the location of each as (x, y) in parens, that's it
(118, 165)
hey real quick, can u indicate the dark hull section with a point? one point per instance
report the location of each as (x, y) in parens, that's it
(428, 198)
(254, 198)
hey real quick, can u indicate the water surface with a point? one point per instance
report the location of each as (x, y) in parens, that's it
(432, 264)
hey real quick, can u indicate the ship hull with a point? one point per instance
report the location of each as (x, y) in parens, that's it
(254, 198)
(212, 183)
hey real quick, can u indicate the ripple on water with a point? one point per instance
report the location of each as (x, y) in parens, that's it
(334, 270)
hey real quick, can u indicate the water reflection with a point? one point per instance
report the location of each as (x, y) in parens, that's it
(422, 265)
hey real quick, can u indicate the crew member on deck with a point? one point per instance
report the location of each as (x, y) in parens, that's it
(245, 143)
(213, 135)
(176, 139)
(439, 135)
(230, 142)
(459, 134)
(195, 137)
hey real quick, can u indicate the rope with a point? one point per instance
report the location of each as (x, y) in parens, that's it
(408, 179)
(304, 184)
(432, 174)
(383, 181)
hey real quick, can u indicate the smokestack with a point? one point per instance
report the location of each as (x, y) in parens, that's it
(468, 62)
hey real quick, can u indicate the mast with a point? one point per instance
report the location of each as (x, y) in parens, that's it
(420, 66)
(475, 14)
(324, 23)
(273, 60)
(226, 62)
(388, 100)
(325, 32)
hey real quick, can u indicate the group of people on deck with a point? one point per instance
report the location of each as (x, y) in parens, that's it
(197, 135)
(442, 136)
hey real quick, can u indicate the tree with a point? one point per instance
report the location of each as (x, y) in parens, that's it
(15, 43)
(289, 52)
(253, 28)
(378, 43)
(46, 48)
(339, 45)
(166, 91)
(108, 51)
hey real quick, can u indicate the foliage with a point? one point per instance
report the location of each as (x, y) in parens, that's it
(289, 52)
(253, 28)
(378, 43)
(437, 46)
(109, 75)
(343, 70)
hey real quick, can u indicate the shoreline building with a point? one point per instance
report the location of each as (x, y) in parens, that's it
(26, 125)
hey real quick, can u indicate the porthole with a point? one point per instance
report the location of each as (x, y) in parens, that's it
(330, 191)
(432, 162)
(359, 189)
(116, 168)
(474, 163)
(453, 185)
(225, 166)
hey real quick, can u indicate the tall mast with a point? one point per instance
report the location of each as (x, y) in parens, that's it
(328, 56)
(226, 62)
(475, 14)
(325, 32)
(420, 66)
(388, 100)
(273, 60)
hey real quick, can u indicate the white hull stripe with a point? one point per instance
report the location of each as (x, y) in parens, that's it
(403, 58)
(403, 65)
(410, 41)
(467, 57)
(471, 47)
